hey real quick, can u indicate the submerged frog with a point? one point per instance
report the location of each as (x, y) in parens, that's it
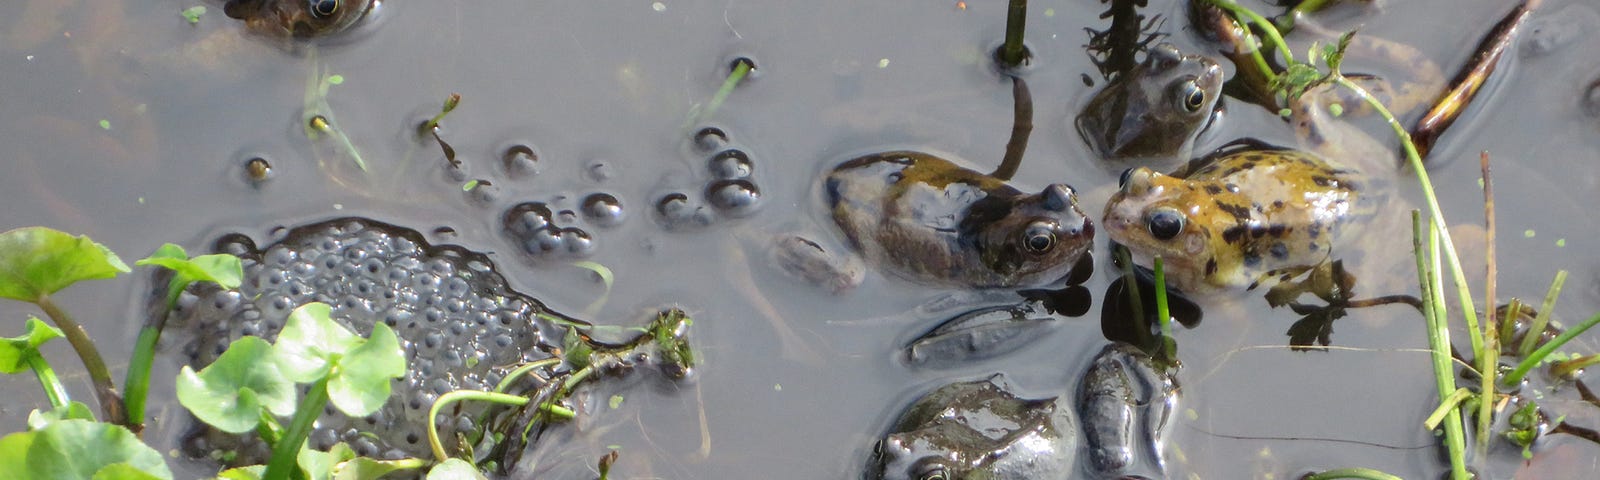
(930, 220)
(1156, 110)
(979, 430)
(300, 18)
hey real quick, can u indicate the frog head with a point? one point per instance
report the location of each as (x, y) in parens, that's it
(1029, 239)
(1155, 110)
(299, 18)
(1155, 214)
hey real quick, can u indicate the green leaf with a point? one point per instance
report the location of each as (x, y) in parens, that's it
(360, 384)
(230, 393)
(311, 342)
(252, 472)
(14, 351)
(72, 411)
(455, 469)
(123, 471)
(37, 261)
(363, 468)
(80, 450)
(192, 14)
(221, 269)
(320, 465)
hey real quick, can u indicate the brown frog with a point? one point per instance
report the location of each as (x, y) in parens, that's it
(1156, 110)
(300, 18)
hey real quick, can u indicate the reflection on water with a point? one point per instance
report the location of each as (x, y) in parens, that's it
(125, 122)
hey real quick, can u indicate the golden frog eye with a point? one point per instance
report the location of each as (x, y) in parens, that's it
(935, 473)
(1040, 237)
(1190, 96)
(322, 8)
(1165, 222)
(1122, 181)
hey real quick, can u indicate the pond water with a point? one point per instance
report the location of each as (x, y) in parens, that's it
(123, 121)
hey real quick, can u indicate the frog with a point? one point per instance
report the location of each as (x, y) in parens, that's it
(1156, 111)
(1250, 211)
(928, 219)
(300, 18)
(979, 429)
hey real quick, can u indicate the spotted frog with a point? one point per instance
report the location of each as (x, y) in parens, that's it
(929, 220)
(979, 430)
(1156, 110)
(300, 18)
(1249, 209)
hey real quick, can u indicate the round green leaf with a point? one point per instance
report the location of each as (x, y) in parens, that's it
(310, 342)
(455, 469)
(229, 393)
(79, 450)
(36, 261)
(361, 385)
(73, 410)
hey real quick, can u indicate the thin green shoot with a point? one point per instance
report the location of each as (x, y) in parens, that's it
(1447, 405)
(1271, 31)
(1489, 358)
(1130, 284)
(1542, 319)
(287, 449)
(500, 398)
(318, 113)
(1163, 315)
(741, 68)
(1361, 473)
(450, 104)
(222, 269)
(1537, 357)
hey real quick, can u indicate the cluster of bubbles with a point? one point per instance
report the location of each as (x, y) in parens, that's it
(460, 325)
(731, 190)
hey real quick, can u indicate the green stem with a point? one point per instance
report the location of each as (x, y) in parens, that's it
(1564, 369)
(1542, 319)
(53, 389)
(105, 390)
(1474, 333)
(1012, 53)
(514, 374)
(1365, 473)
(268, 428)
(287, 450)
(493, 397)
(1285, 23)
(137, 381)
(1163, 315)
(1438, 338)
(1274, 39)
(1533, 360)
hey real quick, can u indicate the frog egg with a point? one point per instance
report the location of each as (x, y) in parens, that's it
(525, 218)
(602, 209)
(257, 170)
(709, 139)
(520, 161)
(676, 212)
(731, 164)
(578, 242)
(736, 197)
(483, 193)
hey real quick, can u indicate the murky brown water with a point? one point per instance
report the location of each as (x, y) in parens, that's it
(796, 383)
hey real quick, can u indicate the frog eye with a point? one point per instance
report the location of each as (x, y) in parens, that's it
(1190, 96)
(1122, 181)
(322, 8)
(935, 473)
(1039, 238)
(1165, 222)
